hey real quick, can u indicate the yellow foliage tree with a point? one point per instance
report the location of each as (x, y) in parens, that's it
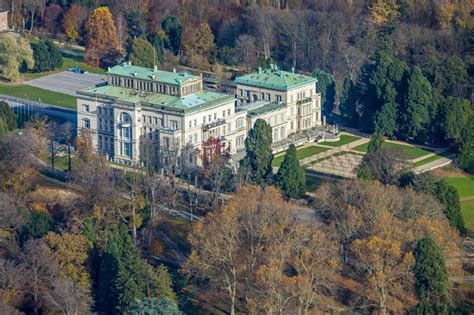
(387, 274)
(383, 11)
(71, 253)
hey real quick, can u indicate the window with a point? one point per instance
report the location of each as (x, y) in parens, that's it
(275, 134)
(209, 118)
(223, 113)
(268, 96)
(228, 112)
(190, 139)
(239, 123)
(128, 150)
(229, 127)
(282, 133)
(241, 92)
(204, 119)
(240, 142)
(155, 121)
(195, 137)
(85, 108)
(160, 122)
(262, 96)
(86, 123)
(174, 124)
(215, 116)
(190, 124)
(99, 109)
(278, 98)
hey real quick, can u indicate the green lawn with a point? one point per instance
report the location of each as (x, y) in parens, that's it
(464, 184)
(432, 158)
(300, 153)
(37, 94)
(467, 209)
(411, 152)
(69, 62)
(344, 139)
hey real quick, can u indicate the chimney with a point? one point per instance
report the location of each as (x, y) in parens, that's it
(259, 70)
(174, 70)
(293, 70)
(155, 68)
(108, 69)
(153, 76)
(129, 63)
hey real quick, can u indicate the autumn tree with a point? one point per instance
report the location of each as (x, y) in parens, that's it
(386, 271)
(14, 54)
(18, 166)
(248, 246)
(216, 171)
(71, 253)
(258, 145)
(103, 46)
(73, 20)
(204, 40)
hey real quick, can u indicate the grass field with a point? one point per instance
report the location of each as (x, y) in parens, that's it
(300, 153)
(411, 152)
(464, 184)
(467, 209)
(36, 94)
(69, 62)
(344, 139)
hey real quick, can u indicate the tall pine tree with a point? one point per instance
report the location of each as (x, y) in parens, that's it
(431, 278)
(417, 106)
(291, 176)
(259, 152)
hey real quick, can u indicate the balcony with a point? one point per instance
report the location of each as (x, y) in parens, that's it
(304, 101)
(214, 124)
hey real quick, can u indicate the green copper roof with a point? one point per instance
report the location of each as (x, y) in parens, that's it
(161, 76)
(188, 104)
(265, 109)
(275, 79)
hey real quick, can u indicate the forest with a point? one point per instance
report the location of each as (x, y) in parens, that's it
(97, 238)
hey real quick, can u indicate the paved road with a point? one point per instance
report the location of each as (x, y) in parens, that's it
(30, 108)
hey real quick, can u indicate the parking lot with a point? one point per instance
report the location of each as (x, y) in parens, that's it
(67, 82)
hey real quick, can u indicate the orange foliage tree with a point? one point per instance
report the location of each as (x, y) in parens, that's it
(103, 45)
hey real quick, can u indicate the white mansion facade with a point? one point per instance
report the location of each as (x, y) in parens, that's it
(142, 105)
